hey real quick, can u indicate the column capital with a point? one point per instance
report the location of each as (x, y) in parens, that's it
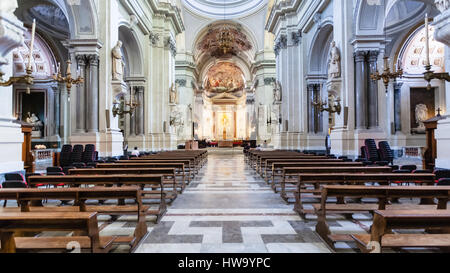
(93, 59)
(360, 55)
(373, 55)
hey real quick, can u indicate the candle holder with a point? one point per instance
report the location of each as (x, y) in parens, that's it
(68, 80)
(430, 75)
(387, 75)
(336, 108)
(28, 79)
(120, 108)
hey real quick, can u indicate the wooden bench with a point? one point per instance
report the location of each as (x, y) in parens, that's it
(20, 222)
(157, 192)
(190, 163)
(262, 162)
(181, 171)
(269, 169)
(277, 167)
(291, 175)
(387, 220)
(381, 193)
(169, 174)
(25, 197)
(320, 179)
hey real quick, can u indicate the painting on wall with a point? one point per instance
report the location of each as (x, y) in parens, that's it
(422, 108)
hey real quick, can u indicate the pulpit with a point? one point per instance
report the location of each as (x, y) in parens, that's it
(430, 154)
(27, 154)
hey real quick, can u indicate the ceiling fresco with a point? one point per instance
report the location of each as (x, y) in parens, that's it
(212, 43)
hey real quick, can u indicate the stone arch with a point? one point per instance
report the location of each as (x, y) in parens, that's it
(82, 17)
(132, 51)
(320, 48)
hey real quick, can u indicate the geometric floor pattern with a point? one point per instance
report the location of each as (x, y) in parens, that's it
(227, 208)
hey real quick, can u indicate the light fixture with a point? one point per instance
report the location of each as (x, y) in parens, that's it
(123, 107)
(387, 75)
(28, 78)
(335, 108)
(429, 74)
(68, 80)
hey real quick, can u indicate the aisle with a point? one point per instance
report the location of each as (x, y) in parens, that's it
(228, 209)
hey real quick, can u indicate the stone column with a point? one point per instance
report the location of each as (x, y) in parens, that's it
(92, 95)
(56, 109)
(397, 107)
(140, 110)
(360, 90)
(80, 97)
(132, 118)
(372, 97)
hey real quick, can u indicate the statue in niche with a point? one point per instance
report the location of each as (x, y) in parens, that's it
(334, 64)
(118, 64)
(8, 6)
(277, 91)
(173, 94)
(421, 116)
(35, 121)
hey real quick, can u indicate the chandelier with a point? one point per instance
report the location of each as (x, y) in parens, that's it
(226, 40)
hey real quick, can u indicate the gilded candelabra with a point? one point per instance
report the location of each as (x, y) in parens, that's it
(430, 75)
(27, 79)
(336, 108)
(68, 80)
(120, 108)
(387, 75)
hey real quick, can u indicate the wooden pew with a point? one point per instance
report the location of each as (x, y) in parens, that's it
(386, 220)
(262, 161)
(278, 166)
(153, 181)
(382, 193)
(181, 171)
(291, 175)
(191, 163)
(385, 179)
(254, 155)
(169, 174)
(24, 197)
(20, 222)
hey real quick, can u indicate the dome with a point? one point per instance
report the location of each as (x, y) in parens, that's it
(216, 8)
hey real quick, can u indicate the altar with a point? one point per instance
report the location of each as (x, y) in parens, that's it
(225, 144)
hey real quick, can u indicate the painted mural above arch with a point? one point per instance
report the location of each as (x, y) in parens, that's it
(224, 77)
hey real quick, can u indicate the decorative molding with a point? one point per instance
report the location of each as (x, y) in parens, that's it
(170, 44)
(281, 43)
(269, 81)
(181, 82)
(154, 38)
(442, 5)
(296, 36)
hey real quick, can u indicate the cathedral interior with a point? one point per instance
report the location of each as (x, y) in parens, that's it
(224, 81)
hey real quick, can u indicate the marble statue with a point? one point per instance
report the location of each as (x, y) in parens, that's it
(173, 96)
(118, 63)
(8, 6)
(277, 91)
(34, 120)
(334, 64)
(421, 115)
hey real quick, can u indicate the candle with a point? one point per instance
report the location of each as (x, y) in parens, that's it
(427, 42)
(59, 68)
(33, 32)
(68, 72)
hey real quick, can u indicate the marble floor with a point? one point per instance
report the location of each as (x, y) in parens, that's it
(228, 208)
